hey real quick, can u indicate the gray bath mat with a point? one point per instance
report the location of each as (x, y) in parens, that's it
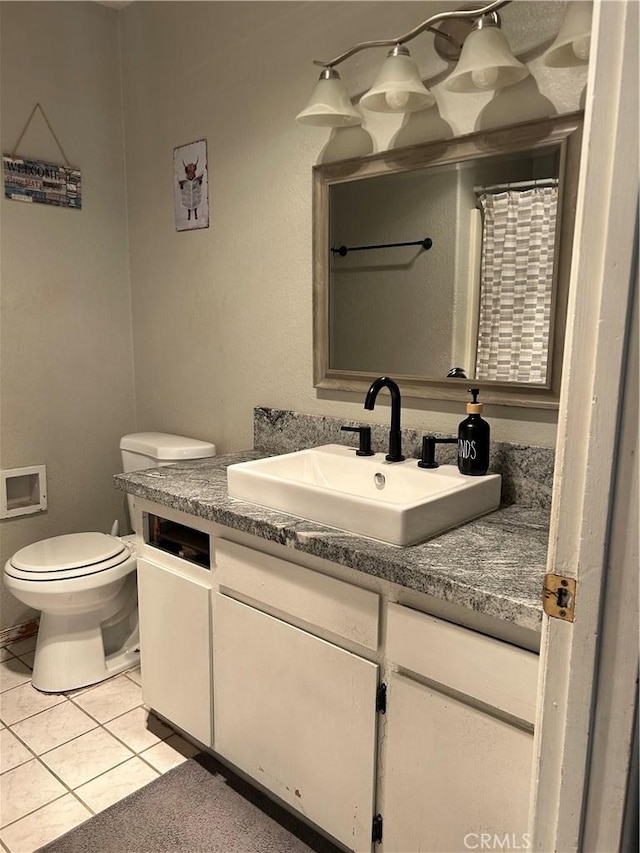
(198, 807)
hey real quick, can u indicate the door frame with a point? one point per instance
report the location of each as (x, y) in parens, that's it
(579, 737)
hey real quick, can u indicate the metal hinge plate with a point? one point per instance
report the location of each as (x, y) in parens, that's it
(376, 830)
(559, 597)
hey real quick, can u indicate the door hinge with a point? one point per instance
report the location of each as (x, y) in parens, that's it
(559, 597)
(381, 698)
(376, 830)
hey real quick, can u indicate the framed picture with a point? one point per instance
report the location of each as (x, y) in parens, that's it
(191, 186)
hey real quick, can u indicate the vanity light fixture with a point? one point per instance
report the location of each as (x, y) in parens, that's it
(571, 46)
(486, 61)
(329, 105)
(399, 87)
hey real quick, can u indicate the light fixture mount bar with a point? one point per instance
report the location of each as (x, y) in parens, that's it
(487, 9)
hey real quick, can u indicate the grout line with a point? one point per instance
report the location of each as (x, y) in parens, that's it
(80, 708)
(73, 793)
(46, 752)
(82, 802)
(119, 739)
(53, 773)
(68, 789)
(148, 763)
(41, 762)
(102, 773)
(76, 737)
(33, 811)
(123, 714)
(26, 746)
(102, 725)
(29, 716)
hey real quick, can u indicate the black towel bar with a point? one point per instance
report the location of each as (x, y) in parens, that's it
(427, 243)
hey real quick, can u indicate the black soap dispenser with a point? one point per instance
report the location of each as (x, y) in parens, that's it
(473, 440)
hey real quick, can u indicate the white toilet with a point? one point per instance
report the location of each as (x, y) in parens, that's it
(84, 584)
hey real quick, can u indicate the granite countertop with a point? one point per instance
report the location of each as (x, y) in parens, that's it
(493, 565)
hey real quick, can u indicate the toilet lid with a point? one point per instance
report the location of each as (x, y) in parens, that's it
(73, 551)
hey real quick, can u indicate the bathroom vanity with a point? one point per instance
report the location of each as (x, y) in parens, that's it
(376, 690)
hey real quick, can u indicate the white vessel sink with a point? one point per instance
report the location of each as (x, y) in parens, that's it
(397, 502)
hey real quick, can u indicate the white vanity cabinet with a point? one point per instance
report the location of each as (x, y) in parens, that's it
(458, 743)
(174, 641)
(293, 710)
(174, 604)
(273, 659)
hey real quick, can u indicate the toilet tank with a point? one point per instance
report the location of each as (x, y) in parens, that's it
(151, 449)
(142, 450)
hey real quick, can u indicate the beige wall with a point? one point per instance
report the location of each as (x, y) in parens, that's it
(66, 365)
(222, 317)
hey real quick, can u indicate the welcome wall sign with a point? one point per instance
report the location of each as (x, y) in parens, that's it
(40, 182)
(43, 183)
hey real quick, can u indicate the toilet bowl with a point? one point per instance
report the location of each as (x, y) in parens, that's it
(84, 584)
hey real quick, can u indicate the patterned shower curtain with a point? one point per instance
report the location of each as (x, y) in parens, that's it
(516, 284)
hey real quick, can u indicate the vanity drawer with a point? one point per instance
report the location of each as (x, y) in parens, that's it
(332, 605)
(489, 670)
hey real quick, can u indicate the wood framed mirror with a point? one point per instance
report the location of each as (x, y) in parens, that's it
(448, 263)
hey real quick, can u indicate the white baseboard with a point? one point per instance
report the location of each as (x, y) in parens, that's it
(18, 632)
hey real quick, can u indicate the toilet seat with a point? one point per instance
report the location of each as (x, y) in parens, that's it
(74, 555)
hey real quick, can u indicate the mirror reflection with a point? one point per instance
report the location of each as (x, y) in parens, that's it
(448, 263)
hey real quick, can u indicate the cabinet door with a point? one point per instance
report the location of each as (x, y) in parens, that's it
(298, 715)
(175, 648)
(453, 772)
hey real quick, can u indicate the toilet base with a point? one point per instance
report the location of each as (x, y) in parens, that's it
(70, 653)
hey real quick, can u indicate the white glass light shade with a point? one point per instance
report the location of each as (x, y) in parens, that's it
(398, 87)
(329, 105)
(573, 41)
(486, 62)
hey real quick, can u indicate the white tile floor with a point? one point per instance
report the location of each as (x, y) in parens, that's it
(64, 758)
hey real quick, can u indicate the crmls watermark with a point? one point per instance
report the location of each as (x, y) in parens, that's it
(497, 841)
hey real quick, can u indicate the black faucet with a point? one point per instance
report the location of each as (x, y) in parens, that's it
(395, 435)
